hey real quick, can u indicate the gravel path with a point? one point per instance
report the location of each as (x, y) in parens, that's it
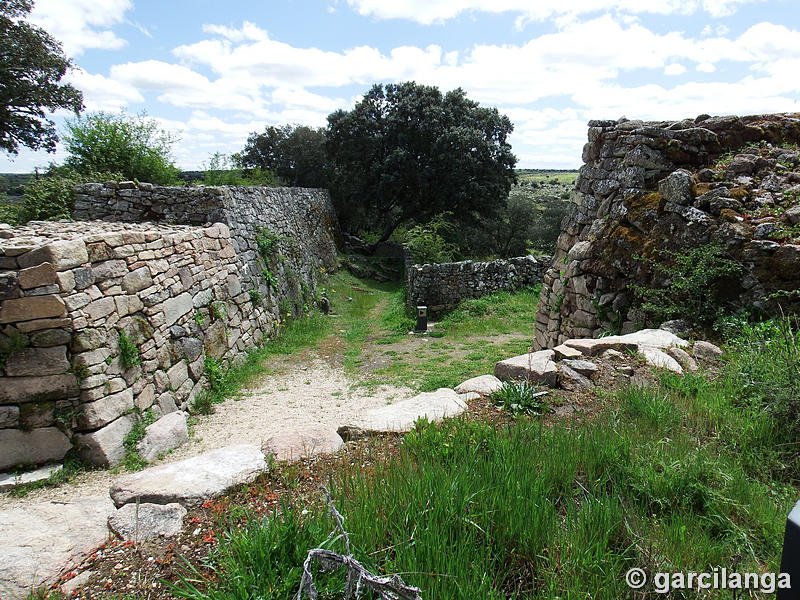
(310, 393)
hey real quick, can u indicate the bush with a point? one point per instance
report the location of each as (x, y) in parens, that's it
(52, 196)
(227, 170)
(134, 146)
(688, 284)
(427, 241)
(520, 397)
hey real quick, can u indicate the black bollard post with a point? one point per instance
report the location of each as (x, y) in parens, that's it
(422, 319)
(790, 558)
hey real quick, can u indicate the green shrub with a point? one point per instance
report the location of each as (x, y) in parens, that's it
(52, 195)
(134, 146)
(427, 241)
(133, 460)
(226, 170)
(128, 351)
(689, 283)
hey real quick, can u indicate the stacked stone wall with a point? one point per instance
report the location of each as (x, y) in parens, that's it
(74, 296)
(649, 187)
(444, 285)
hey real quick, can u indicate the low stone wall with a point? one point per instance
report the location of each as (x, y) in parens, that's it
(649, 187)
(444, 285)
(100, 321)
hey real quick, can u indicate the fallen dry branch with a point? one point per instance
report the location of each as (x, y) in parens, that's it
(358, 578)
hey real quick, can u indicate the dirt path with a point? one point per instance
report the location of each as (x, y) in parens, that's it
(305, 390)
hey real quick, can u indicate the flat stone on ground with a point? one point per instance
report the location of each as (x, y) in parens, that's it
(483, 384)
(192, 481)
(144, 521)
(706, 351)
(536, 367)
(570, 379)
(470, 396)
(10, 480)
(657, 358)
(636, 341)
(683, 358)
(563, 351)
(40, 541)
(401, 416)
(592, 347)
(585, 367)
(293, 444)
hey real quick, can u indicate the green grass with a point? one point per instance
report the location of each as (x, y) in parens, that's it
(563, 177)
(658, 480)
(498, 313)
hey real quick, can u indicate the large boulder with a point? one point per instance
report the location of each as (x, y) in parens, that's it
(401, 416)
(536, 367)
(192, 481)
(41, 541)
(169, 432)
(301, 442)
(141, 522)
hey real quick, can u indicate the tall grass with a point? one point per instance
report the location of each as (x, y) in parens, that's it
(664, 479)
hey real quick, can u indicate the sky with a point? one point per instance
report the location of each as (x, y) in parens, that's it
(214, 72)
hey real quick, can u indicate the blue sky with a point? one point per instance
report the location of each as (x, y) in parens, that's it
(212, 72)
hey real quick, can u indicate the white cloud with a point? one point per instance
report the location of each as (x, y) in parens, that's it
(102, 93)
(429, 12)
(674, 69)
(82, 24)
(706, 67)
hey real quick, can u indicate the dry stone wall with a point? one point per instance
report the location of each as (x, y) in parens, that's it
(444, 285)
(647, 187)
(100, 321)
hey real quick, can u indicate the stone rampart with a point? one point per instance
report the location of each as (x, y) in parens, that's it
(650, 187)
(100, 320)
(444, 285)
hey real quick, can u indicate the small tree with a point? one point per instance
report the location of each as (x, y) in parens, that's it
(32, 64)
(131, 145)
(295, 153)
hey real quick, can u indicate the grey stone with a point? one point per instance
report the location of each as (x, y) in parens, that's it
(679, 327)
(792, 215)
(764, 230)
(706, 351)
(536, 367)
(677, 187)
(40, 541)
(101, 412)
(168, 432)
(584, 367)
(9, 416)
(35, 447)
(30, 308)
(192, 481)
(175, 308)
(37, 361)
(70, 587)
(50, 337)
(571, 380)
(683, 359)
(401, 416)
(166, 403)
(302, 442)
(142, 522)
(10, 480)
(46, 387)
(483, 384)
(563, 351)
(177, 375)
(660, 359)
(592, 347)
(84, 277)
(62, 255)
(191, 347)
(137, 280)
(105, 446)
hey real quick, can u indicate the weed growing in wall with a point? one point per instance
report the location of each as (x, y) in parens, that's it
(688, 284)
(128, 351)
(256, 297)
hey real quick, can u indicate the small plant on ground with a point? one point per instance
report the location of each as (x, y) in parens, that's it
(128, 351)
(520, 397)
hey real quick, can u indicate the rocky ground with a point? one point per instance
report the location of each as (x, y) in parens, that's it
(172, 514)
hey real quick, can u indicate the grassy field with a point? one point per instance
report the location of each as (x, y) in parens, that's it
(692, 473)
(562, 177)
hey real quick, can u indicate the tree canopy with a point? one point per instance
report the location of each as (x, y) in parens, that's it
(32, 63)
(406, 153)
(134, 146)
(295, 153)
